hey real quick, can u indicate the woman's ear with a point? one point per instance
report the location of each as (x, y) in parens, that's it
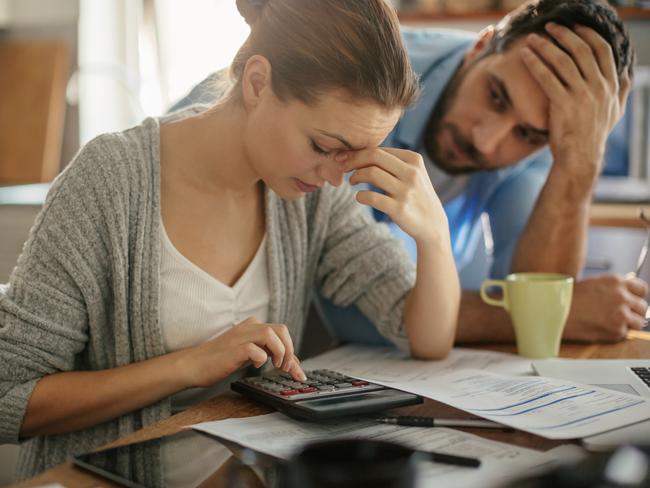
(484, 38)
(256, 81)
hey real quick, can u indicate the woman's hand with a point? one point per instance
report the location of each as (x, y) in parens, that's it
(409, 199)
(248, 342)
(412, 203)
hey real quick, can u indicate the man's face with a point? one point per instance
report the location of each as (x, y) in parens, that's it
(493, 114)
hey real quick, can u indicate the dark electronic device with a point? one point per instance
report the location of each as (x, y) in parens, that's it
(325, 394)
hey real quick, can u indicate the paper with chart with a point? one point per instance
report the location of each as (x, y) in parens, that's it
(551, 408)
(280, 436)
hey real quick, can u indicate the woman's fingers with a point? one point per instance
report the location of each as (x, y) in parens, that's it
(381, 202)
(274, 338)
(256, 354)
(266, 337)
(385, 158)
(377, 177)
(295, 370)
(282, 332)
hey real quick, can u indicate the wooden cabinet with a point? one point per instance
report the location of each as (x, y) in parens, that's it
(33, 78)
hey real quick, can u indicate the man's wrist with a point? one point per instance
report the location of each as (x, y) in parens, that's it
(577, 179)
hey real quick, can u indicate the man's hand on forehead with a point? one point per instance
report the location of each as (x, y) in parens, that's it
(585, 96)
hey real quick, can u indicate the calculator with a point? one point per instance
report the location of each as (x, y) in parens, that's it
(324, 394)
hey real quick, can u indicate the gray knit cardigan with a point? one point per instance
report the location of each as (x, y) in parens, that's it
(84, 294)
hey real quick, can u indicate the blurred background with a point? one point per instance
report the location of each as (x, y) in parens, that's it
(73, 69)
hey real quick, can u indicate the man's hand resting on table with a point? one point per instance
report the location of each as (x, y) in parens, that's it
(605, 308)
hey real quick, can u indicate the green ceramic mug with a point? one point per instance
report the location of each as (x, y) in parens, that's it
(539, 305)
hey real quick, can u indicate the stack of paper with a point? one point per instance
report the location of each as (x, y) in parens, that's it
(551, 408)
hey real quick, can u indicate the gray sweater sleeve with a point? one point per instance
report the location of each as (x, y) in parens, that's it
(363, 264)
(44, 315)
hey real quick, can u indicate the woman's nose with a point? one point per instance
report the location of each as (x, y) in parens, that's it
(332, 172)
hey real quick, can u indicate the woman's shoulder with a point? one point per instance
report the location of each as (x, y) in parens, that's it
(116, 159)
(107, 171)
(131, 149)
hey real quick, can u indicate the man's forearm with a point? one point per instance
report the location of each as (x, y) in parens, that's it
(479, 322)
(554, 239)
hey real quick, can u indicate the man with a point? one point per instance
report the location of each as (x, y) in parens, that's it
(514, 127)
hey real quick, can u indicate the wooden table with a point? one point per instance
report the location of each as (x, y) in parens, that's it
(618, 214)
(234, 406)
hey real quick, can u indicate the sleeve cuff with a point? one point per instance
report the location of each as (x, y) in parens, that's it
(13, 406)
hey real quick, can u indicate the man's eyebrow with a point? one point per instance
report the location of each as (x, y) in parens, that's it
(340, 138)
(505, 96)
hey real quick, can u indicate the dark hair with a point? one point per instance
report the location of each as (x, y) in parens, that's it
(314, 45)
(531, 17)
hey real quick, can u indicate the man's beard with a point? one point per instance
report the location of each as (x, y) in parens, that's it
(436, 125)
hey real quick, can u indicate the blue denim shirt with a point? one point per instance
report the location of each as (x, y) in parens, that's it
(507, 196)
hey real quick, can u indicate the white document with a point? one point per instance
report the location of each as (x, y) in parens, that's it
(279, 436)
(389, 364)
(551, 408)
(468, 380)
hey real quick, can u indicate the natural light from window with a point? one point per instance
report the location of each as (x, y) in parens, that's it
(196, 38)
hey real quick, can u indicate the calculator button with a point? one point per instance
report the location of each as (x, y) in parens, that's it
(343, 385)
(289, 392)
(359, 383)
(308, 389)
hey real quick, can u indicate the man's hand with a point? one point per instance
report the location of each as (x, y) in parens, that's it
(585, 101)
(585, 97)
(605, 308)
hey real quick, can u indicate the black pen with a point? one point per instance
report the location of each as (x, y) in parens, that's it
(438, 457)
(413, 421)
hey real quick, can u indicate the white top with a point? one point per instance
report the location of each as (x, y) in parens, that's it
(195, 307)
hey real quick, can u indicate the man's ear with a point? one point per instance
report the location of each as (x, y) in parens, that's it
(484, 38)
(256, 80)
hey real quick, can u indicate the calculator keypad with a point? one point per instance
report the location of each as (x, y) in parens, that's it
(319, 383)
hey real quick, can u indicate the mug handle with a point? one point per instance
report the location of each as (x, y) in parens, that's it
(491, 301)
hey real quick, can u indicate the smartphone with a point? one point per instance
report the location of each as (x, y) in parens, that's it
(104, 463)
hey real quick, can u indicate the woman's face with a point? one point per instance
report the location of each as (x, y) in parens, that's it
(292, 146)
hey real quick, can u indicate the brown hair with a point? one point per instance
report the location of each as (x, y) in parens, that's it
(533, 16)
(315, 45)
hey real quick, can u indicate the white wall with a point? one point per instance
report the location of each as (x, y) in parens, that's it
(21, 13)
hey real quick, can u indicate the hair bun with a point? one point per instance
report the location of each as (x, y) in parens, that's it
(251, 9)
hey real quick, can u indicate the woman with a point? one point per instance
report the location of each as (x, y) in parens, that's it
(156, 240)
